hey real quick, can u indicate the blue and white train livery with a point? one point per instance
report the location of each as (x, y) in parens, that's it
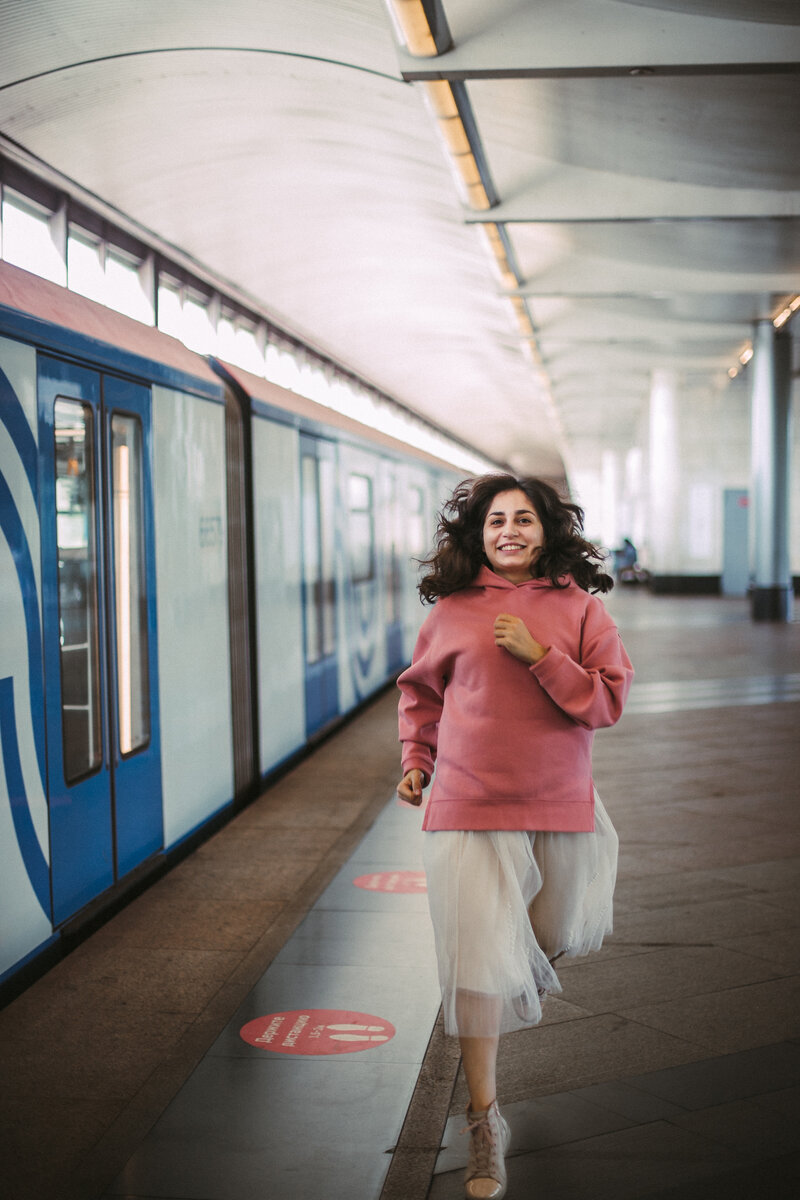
(199, 573)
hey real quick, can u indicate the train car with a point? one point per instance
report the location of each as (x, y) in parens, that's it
(200, 574)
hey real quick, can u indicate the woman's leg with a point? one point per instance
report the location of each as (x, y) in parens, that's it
(480, 1014)
(485, 1176)
(479, 1059)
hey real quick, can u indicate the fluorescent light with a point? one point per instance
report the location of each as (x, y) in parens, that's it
(786, 313)
(451, 110)
(497, 249)
(422, 28)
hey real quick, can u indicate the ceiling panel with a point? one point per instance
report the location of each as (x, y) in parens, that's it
(645, 156)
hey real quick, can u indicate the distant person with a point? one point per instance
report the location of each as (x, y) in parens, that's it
(625, 558)
(514, 668)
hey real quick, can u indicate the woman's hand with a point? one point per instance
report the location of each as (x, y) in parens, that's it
(410, 787)
(514, 636)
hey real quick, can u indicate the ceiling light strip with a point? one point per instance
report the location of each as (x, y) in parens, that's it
(421, 26)
(779, 322)
(452, 111)
(786, 313)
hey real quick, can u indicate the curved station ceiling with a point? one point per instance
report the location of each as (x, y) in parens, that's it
(508, 224)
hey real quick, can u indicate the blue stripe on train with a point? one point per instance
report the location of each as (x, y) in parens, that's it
(36, 865)
(15, 421)
(35, 862)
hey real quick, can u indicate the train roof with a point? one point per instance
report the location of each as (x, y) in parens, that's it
(67, 322)
(275, 401)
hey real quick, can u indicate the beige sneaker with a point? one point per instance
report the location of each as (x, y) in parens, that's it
(489, 1137)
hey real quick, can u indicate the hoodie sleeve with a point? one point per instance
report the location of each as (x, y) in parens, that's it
(422, 697)
(592, 691)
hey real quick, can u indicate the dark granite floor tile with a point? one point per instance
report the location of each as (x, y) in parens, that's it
(628, 1101)
(746, 1126)
(574, 1054)
(663, 974)
(777, 1179)
(698, 921)
(735, 1019)
(713, 1081)
(787, 1101)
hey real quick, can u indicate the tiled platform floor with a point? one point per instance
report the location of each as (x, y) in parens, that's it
(667, 1068)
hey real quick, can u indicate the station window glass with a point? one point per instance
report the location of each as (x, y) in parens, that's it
(197, 328)
(125, 290)
(169, 306)
(281, 366)
(248, 352)
(28, 240)
(361, 526)
(76, 522)
(85, 266)
(130, 595)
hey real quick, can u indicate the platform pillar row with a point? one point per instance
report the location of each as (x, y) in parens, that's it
(771, 593)
(664, 477)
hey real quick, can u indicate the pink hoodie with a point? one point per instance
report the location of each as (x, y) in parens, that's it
(512, 744)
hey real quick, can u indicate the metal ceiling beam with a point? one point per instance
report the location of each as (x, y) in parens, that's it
(597, 277)
(603, 38)
(579, 195)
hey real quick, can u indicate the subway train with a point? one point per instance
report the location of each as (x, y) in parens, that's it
(200, 574)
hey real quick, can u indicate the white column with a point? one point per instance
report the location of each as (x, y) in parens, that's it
(771, 594)
(664, 477)
(609, 530)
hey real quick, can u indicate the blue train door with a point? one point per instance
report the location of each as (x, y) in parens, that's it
(318, 484)
(103, 753)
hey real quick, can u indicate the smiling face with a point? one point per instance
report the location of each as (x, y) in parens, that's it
(513, 536)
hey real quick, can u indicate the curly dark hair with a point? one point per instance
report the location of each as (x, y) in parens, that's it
(459, 538)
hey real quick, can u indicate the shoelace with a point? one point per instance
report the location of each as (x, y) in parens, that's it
(483, 1149)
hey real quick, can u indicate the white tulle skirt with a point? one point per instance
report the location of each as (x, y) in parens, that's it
(504, 905)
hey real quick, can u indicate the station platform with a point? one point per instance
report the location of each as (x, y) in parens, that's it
(178, 1052)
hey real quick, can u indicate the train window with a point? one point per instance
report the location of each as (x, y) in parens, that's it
(361, 528)
(327, 503)
(76, 521)
(311, 559)
(133, 705)
(318, 557)
(417, 539)
(394, 565)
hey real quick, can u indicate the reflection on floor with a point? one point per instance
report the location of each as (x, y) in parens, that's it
(272, 1117)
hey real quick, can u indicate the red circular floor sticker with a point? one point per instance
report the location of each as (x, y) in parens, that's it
(317, 1031)
(393, 881)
